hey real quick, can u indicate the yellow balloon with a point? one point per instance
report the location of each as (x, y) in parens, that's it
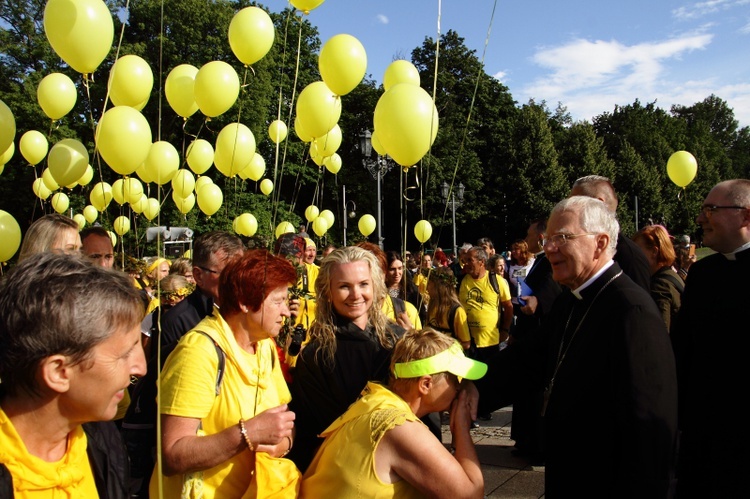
(130, 82)
(118, 191)
(277, 131)
(10, 236)
(49, 180)
(79, 31)
(80, 220)
(216, 88)
(342, 63)
(251, 34)
(123, 137)
(151, 209)
(333, 163)
(328, 215)
(7, 127)
(330, 142)
(132, 189)
(400, 71)
(8, 154)
(407, 122)
(283, 228)
(235, 147)
(376, 145)
(315, 154)
(266, 186)
(201, 181)
(184, 205)
(139, 205)
(67, 161)
(56, 95)
(318, 109)
(210, 198)
(2, 168)
(41, 190)
(60, 202)
(121, 225)
(90, 213)
(246, 225)
(367, 224)
(162, 162)
(320, 226)
(300, 131)
(311, 213)
(682, 168)
(113, 238)
(183, 183)
(33, 146)
(180, 90)
(101, 196)
(87, 176)
(306, 5)
(423, 231)
(255, 169)
(200, 156)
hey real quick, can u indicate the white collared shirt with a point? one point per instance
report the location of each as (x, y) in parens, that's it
(577, 291)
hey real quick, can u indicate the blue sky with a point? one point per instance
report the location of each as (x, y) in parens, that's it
(587, 54)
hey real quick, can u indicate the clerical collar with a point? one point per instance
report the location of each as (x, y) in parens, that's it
(733, 254)
(577, 291)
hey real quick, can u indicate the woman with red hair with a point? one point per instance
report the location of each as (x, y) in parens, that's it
(219, 422)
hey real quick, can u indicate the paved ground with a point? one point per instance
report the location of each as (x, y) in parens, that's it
(505, 476)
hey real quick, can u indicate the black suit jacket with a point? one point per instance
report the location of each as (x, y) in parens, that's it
(613, 403)
(633, 261)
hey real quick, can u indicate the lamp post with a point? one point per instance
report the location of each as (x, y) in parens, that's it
(348, 212)
(445, 190)
(377, 166)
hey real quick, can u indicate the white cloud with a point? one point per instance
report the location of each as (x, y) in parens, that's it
(590, 77)
(382, 19)
(501, 76)
(745, 30)
(700, 9)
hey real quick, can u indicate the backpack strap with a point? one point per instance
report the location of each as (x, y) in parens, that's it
(222, 360)
(399, 307)
(452, 317)
(677, 282)
(494, 283)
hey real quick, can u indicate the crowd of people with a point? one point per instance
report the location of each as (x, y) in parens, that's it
(288, 372)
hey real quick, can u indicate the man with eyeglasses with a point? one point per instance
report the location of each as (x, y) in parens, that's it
(629, 256)
(711, 344)
(611, 391)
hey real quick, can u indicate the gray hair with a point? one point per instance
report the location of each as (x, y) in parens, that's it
(207, 245)
(596, 186)
(479, 254)
(594, 216)
(53, 303)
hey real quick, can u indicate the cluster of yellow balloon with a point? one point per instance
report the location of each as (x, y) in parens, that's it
(406, 119)
(682, 168)
(10, 236)
(7, 133)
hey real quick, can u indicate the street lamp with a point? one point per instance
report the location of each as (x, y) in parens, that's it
(377, 166)
(445, 190)
(350, 211)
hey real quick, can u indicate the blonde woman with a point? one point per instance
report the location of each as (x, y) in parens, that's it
(50, 232)
(446, 313)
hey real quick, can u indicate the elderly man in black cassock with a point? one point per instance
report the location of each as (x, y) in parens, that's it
(610, 410)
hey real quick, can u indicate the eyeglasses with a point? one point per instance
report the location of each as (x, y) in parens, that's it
(210, 271)
(708, 210)
(557, 240)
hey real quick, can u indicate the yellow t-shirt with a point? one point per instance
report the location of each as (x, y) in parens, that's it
(411, 312)
(344, 466)
(460, 325)
(306, 314)
(252, 383)
(481, 304)
(34, 478)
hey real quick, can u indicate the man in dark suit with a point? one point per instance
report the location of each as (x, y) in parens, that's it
(610, 409)
(711, 344)
(629, 256)
(526, 427)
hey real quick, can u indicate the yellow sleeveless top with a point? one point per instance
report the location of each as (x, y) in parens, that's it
(344, 466)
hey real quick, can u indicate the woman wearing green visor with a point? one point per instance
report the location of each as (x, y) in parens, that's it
(396, 455)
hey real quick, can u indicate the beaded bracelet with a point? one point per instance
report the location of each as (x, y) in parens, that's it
(243, 431)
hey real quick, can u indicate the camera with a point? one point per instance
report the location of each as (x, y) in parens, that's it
(296, 338)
